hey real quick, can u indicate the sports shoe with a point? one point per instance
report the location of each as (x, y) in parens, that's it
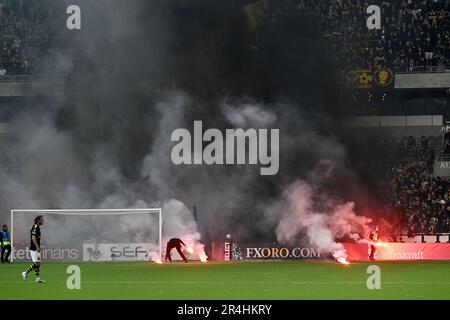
(39, 280)
(24, 275)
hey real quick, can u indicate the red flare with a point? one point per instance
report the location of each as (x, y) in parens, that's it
(343, 261)
(380, 244)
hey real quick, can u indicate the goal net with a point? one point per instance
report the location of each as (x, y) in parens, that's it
(90, 234)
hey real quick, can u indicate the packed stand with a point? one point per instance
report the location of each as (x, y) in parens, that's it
(423, 200)
(416, 201)
(412, 34)
(27, 38)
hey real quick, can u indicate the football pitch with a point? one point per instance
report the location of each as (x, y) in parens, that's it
(238, 280)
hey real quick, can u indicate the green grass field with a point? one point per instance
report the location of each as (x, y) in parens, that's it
(243, 280)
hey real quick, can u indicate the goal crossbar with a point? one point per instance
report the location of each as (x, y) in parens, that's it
(90, 212)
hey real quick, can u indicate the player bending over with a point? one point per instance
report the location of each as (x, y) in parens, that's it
(175, 243)
(35, 249)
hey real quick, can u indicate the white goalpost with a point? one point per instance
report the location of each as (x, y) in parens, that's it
(90, 234)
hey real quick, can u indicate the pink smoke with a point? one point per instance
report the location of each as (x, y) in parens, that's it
(321, 228)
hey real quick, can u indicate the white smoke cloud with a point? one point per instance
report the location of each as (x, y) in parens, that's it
(54, 175)
(248, 115)
(322, 228)
(76, 167)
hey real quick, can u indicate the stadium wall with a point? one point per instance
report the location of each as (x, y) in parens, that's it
(29, 88)
(393, 126)
(437, 80)
(441, 168)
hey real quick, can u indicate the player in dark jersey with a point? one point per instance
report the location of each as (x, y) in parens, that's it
(373, 237)
(35, 249)
(175, 243)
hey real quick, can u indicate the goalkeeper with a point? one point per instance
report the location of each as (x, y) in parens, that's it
(175, 243)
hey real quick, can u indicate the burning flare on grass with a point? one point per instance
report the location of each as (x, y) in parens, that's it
(199, 250)
(154, 256)
(342, 261)
(339, 253)
(195, 248)
(203, 257)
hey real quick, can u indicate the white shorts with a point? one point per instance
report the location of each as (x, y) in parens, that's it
(35, 256)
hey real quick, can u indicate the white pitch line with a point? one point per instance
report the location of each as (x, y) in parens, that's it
(265, 282)
(260, 282)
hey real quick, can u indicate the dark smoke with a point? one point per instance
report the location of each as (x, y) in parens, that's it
(139, 69)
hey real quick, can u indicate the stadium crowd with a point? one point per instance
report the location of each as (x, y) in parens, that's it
(27, 37)
(412, 34)
(423, 200)
(416, 200)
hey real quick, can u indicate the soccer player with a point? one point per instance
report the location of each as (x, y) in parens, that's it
(175, 243)
(5, 240)
(373, 237)
(35, 249)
